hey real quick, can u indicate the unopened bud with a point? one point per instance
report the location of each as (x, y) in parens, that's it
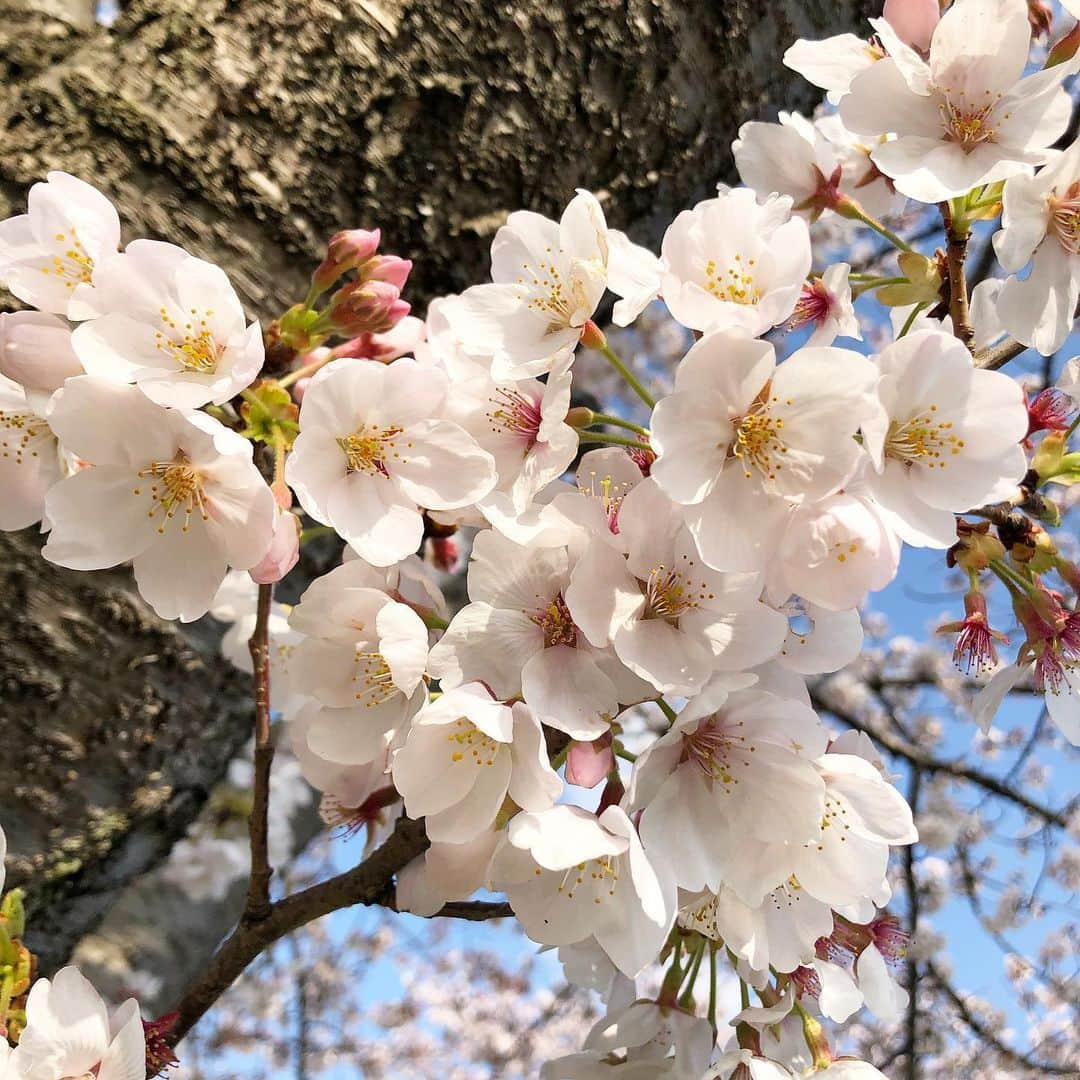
(365, 307)
(388, 268)
(283, 553)
(587, 763)
(913, 20)
(346, 251)
(1036, 550)
(923, 285)
(445, 553)
(35, 350)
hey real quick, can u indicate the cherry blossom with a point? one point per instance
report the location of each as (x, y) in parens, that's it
(69, 1033)
(740, 436)
(734, 262)
(371, 451)
(967, 116)
(35, 350)
(51, 255)
(464, 753)
(175, 493)
(1041, 225)
(172, 325)
(31, 460)
(570, 875)
(547, 280)
(945, 438)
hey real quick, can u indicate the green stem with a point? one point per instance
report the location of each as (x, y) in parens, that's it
(626, 755)
(617, 421)
(712, 984)
(314, 531)
(1011, 578)
(744, 993)
(916, 311)
(1071, 429)
(854, 210)
(876, 283)
(303, 372)
(615, 440)
(433, 621)
(628, 375)
(666, 709)
(686, 999)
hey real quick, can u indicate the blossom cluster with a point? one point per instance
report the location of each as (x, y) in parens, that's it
(700, 568)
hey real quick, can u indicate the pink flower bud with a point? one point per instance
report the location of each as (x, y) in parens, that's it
(588, 763)
(388, 268)
(913, 20)
(367, 307)
(445, 553)
(346, 251)
(283, 553)
(35, 350)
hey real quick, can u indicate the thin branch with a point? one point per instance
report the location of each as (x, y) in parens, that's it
(956, 257)
(997, 356)
(257, 907)
(369, 883)
(474, 910)
(930, 764)
(988, 1035)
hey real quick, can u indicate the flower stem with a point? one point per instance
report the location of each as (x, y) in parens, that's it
(958, 231)
(303, 372)
(627, 374)
(916, 311)
(666, 709)
(601, 437)
(849, 208)
(618, 421)
(867, 284)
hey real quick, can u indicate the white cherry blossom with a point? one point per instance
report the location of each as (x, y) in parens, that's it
(946, 437)
(547, 280)
(175, 493)
(570, 875)
(70, 1033)
(670, 619)
(372, 450)
(725, 786)
(740, 436)
(464, 753)
(734, 262)
(968, 116)
(50, 256)
(1041, 225)
(31, 460)
(172, 325)
(35, 350)
(363, 658)
(518, 636)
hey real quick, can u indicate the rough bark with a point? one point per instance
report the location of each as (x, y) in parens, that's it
(249, 132)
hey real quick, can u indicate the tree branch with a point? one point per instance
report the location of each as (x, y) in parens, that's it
(911, 1020)
(368, 883)
(997, 356)
(257, 907)
(930, 764)
(987, 1034)
(956, 256)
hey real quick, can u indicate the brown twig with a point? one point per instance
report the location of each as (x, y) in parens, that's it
(257, 907)
(368, 883)
(911, 1020)
(999, 355)
(956, 257)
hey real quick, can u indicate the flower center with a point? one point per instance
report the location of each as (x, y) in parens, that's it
(609, 493)
(72, 264)
(735, 285)
(601, 872)
(373, 675)
(18, 433)
(547, 294)
(192, 345)
(714, 749)
(814, 305)
(670, 593)
(367, 448)
(516, 414)
(923, 440)
(758, 442)
(969, 123)
(469, 744)
(174, 485)
(1065, 218)
(556, 623)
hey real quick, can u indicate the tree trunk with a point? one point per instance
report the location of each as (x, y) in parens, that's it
(249, 132)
